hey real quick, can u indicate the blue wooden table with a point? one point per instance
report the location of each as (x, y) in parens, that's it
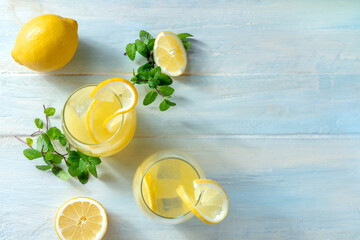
(269, 106)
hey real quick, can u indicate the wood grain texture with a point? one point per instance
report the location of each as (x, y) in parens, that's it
(269, 106)
(278, 189)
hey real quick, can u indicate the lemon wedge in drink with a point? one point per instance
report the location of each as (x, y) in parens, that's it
(213, 202)
(170, 54)
(111, 99)
(81, 218)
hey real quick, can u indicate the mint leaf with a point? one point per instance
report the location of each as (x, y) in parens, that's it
(43, 167)
(49, 111)
(54, 133)
(73, 158)
(131, 51)
(145, 36)
(48, 156)
(60, 173)
(41, 144)
(57, 158)
(47, 162)
(95, 160)
(47, 142)
(92, 170)
(82, 165)
(144, 68)
(157, 72)
(83, 177)
(184, 35)
(163, 105)
(29, 141)
(150, 97)
(73, 171)
(150, 44)
(32, 154)
(186, 44)
(62, 140)
(153, 82)
(166, 90)
(170, 103)
(38, 123)
(141, 48)
(165, 79)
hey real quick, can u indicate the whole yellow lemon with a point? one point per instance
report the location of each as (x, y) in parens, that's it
(46, 43)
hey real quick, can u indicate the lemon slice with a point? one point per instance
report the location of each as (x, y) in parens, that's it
(213, 202)
(81, 218)
(149, 193)
(170, 54)
(106, 108)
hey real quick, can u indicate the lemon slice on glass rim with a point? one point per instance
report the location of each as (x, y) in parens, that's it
(213, 203)
(81, 218)
(105, 92)
(170, 53)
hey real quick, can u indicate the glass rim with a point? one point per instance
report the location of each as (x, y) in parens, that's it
(142, 179)
(68, 131)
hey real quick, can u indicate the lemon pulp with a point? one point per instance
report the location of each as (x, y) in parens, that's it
(159, 186)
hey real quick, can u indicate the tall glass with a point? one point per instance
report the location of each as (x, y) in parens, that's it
(75, 124)
(155, 183)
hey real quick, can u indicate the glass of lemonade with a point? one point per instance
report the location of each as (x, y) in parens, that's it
(83, 118)
(155, 183)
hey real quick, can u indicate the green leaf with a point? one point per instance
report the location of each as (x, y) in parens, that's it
(82, 165)
(165, 79)
(150, 97)
(54, 133)
(153, 82)
(41, 144)
(145, 36)
(163, 105)
(83, 156)
(184, 35)
(131, 51)
(95, 160)
(157, 72)
(83, 177)
(47, 162)
(141, 48)
(186, 44)
(62, 141)
(170, 103)
(73, 171)
(150, 44)
(43, 167)
(48, 156)
(92, 170)
(73, 158)
(32, 154)
(166, 90)
(29, 141)
(49, 111)
(60, 173)
(57, 158)
(144, 68)
(39, 123)
(47, 142)
(134, 73)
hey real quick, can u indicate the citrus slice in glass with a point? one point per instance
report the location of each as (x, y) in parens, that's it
(111, 99)
(81, 218)
(212, 203)
(170, 54)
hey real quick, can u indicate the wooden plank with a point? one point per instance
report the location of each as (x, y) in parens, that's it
(238, 37)
(206, 105)
(279, 188)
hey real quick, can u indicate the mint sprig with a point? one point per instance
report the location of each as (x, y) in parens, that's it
(79, 164)
(150, 74)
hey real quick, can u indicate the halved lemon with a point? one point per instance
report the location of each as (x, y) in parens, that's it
(81, 218)
(212, 201)
(170, 54)
(112, 98)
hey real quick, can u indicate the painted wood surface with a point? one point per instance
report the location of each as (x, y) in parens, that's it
(269, 106)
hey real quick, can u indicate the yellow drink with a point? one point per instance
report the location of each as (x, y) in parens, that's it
(155, 184)
(100, 141)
